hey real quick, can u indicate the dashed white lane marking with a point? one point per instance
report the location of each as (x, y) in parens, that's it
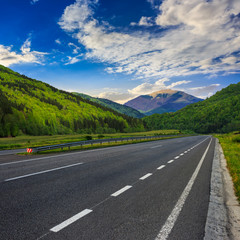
(156, 146)
(145, 176)
(169, 224)
(121, 191)
(177, 157)
(170, 161)
(185, 151)
(181, 154)
(161, 167)
(37, 173)
(70, 220)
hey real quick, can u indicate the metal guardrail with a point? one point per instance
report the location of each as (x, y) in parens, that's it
(91, 142)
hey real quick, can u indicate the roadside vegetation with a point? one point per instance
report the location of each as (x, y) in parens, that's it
(36, 141)
(104, 145)
(231, 148)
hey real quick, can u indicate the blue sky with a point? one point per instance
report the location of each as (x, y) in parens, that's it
(122, 49)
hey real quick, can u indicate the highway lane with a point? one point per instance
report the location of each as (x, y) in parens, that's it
(46, 204)
(17, 165)
(10, 152)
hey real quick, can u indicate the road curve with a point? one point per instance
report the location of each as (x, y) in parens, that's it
(153, 190)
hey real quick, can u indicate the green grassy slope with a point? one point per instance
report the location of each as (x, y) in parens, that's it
(231, 144)
(28, 106)
(219, 113)
(113, 105)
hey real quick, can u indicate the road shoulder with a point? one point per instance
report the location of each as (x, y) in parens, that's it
(223, 219)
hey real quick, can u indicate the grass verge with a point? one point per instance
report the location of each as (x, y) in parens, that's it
(231, 147)
(98, 145)
(37, 141)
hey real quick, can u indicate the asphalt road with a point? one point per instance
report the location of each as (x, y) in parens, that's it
(10, 152)
(154, 190)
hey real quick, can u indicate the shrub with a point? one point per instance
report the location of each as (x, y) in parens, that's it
(88, 137)
(100, 136)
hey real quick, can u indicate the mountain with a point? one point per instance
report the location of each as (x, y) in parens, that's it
(28, 106)
(113, 105)
(217, 114)
(162, 101)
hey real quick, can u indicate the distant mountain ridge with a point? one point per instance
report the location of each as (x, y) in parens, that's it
(113, 105)
(162, 101)
(218, 114)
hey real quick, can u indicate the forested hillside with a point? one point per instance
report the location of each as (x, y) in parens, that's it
(28, 106)
(219, 113)
(113, 105)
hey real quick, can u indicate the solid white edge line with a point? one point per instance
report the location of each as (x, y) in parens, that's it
(121, 191)
(37, 173)
(169, 224)
(170, 161)
(145, 176)
(71, 220)
(162, 166)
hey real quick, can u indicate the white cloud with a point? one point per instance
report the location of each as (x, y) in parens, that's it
(204, 91)
(115, 96)
(34, 1)
(204, 39)
(72, 60)
(151, 1)
(200, 16)
(58, 41)
(76, 49)
(9, 57)
(75, 14)
(144, 21)
(154, 3)
(147, 88)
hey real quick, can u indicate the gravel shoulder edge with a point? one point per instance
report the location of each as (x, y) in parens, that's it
(223, 218)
